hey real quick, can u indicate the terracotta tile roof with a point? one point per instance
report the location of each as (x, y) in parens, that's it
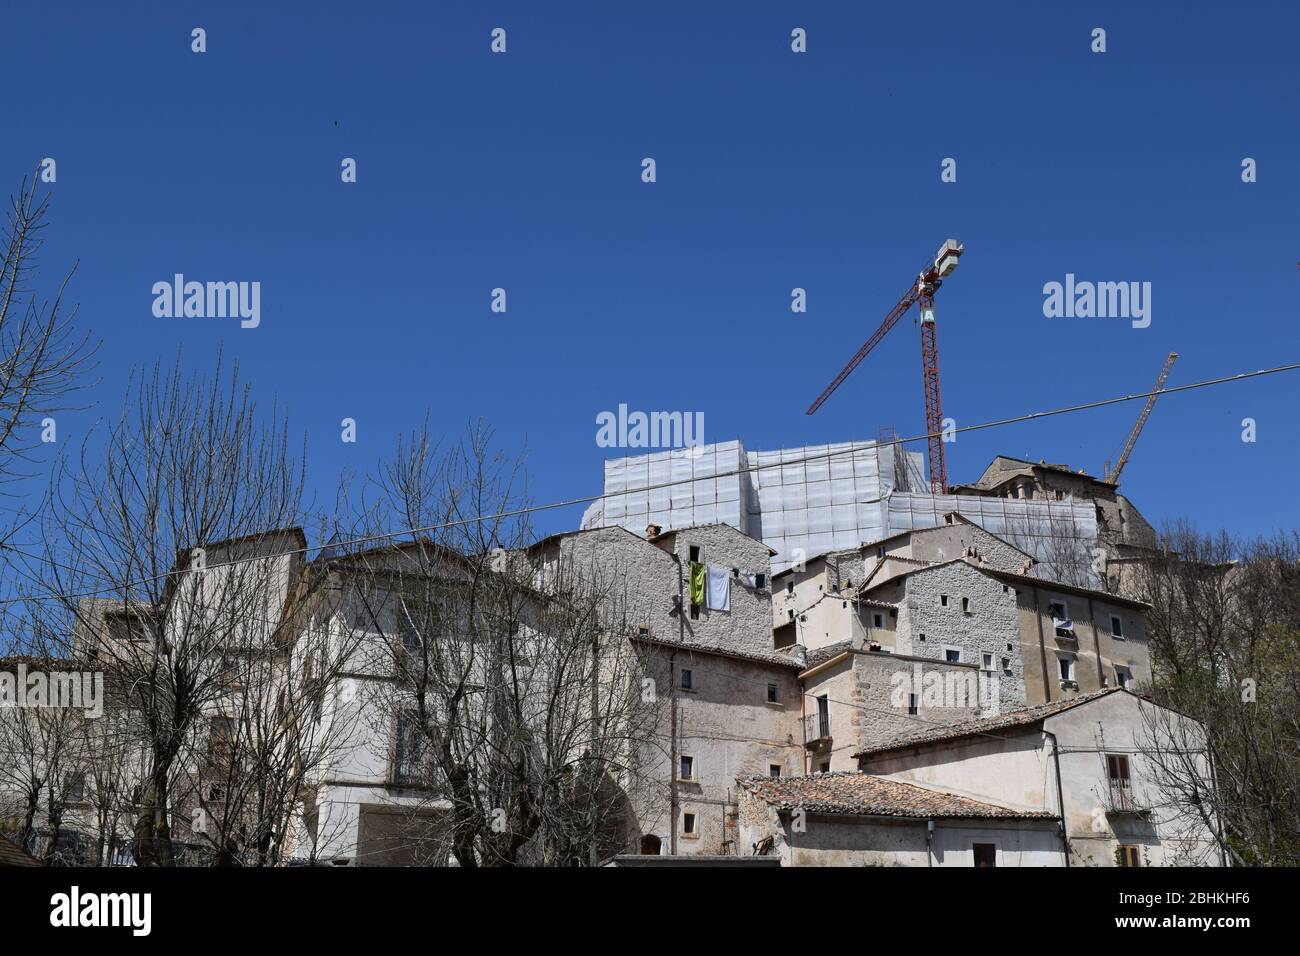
(821, 654)
(1047, 584)
(982, 725)
(861, 793)
(13, 855)
(770, 657)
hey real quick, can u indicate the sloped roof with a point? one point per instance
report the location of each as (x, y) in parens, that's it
(866, 794)
(771, 657)
(11, 855)
(982, 726)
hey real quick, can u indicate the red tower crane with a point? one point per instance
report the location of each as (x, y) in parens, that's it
(921, 292)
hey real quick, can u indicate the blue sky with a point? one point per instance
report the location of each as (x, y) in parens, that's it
(775, 171)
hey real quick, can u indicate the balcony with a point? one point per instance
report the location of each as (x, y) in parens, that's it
(1120, 800)
(816, 731)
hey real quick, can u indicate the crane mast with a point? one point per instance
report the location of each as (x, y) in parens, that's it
(1112, 475)
(922, 291)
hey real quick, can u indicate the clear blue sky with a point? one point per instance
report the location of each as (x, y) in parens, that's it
(775, 170)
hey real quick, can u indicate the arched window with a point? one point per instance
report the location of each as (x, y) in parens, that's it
(650, 845)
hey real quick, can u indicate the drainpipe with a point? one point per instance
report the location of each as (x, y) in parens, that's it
(1042, 646)
(673, 806)
(1060, 796)
(1096, 643)
(929, 843)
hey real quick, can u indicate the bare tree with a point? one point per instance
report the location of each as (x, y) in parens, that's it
(42, 355)
(168, 554)
(1223, 639)
(513, 702)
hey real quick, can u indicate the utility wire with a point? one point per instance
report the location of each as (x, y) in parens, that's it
(744, 469)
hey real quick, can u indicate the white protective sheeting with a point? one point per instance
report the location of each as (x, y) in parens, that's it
(848, 494)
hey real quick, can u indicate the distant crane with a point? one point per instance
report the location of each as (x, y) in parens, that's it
(922, 292)
(1112, 474)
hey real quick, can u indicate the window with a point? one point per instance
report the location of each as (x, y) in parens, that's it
(877, 620)
(74, 787)
(695, 612)
(824, 767)
(943, 600)
(1117, 769)
(1128, 855)
(789, 587)
(1066, 665)
(1006, 666)
(922, 636)
(952, 655)
(823, 716)
(408, 757)
(985, 854)
(410, 625)
(690, 825)
(687, 768)
(760, 581)
(774, 771)
(773, 694)
(686, 678)
(965, 605)
(221, 732)
(1122, 676)
(1116, 627)
(695, 553)
(986, 661)
(911, 705)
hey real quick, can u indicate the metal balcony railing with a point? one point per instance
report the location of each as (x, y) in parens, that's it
(816, 727)
(1121, 799)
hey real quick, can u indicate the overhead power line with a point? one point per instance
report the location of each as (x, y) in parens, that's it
(744, 469)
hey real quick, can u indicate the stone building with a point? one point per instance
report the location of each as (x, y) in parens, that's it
(858, 819)
(1084, 760)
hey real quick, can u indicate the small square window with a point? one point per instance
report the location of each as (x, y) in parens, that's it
(686, 678)
(986, 661)
(877, 620)
(825, 768)
(695, 612)
(760, 581)
(695, 553)
(688, 768)
(689, 823)
(774, 771)
(1116, 627)
(1006, 666)
(922, 636)
(965, 605)
(943, 600)
(1122, 676)
(773, 693)
(952, 655)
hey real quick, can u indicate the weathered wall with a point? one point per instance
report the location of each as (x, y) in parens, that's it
(989, 626)
(727, 725)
